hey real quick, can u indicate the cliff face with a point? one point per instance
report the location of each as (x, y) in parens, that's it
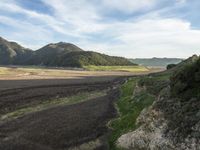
(173, 121)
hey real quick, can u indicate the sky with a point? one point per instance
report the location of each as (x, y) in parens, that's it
(128, 28)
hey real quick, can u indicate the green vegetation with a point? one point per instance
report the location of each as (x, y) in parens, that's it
(170, 66)
(52, 103)
(85, 58)
(117, 68)
(181, 109)
(156, 62)
(57, 55)
(180, 105)
(136, 94)
(186, 80)
(155, 83)
(129, 107)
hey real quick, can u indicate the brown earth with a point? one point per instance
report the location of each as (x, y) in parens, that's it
(20, 93)
(60, 127)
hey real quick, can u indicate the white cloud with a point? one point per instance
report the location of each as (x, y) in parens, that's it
(80, 14)
(27, 34)
(181, 1)
(129, 6)
(147, 36)
(45, 20)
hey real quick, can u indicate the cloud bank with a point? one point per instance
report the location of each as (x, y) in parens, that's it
(147, 28)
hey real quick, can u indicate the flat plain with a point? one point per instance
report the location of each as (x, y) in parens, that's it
(17, 73)
(47, 109)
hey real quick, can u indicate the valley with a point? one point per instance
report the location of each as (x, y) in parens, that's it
(37, 72)
(94, 101)
(54, 108)
(99, 75)
(47, 109)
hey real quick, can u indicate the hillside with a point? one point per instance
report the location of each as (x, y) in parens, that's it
(185, 81)
(156, 62)
(51, 54)
(160, 111)
(13, 53)
(56, 55)
(85, 58)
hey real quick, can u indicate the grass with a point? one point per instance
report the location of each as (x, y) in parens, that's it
(12, 71)
(31, 71)
(117, 68)
(39, 72)
(35, 71)
(52, 103)
(3, 71)
(154, 84)
(129, 109)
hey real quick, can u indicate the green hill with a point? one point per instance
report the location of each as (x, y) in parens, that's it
(185, 80)
(86, 58)
(160, 110)
(56, 55)
(13, 53)
(156, 62)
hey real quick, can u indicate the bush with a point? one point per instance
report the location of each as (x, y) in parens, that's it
(171, 66)
(185, 82)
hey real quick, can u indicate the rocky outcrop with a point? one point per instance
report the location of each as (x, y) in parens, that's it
(154, 132)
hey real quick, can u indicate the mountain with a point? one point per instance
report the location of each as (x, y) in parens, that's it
(156, 62)
(83, 58)
(69, 55)
(13, 53)
(51, 54)
(56, 55)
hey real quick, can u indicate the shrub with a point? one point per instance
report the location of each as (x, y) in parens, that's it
(185, 82)
(171, 66)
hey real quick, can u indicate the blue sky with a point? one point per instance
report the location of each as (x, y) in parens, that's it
(129, 28)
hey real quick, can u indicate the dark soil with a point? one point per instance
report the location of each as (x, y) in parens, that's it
(20, 93)
(60, 127)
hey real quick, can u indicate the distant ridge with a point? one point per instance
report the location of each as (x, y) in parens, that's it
(156, 62)
(56, 55)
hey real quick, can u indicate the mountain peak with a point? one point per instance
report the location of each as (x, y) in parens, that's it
(61, 46)
(3, 40)
(55, 54)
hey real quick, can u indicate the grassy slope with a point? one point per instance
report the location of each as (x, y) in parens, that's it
(117, 68)
(129, 109)
(86, 58)
(186, 80)
(185, 77)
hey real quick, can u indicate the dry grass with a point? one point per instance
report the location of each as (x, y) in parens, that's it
(45, 73)
(133, 69)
